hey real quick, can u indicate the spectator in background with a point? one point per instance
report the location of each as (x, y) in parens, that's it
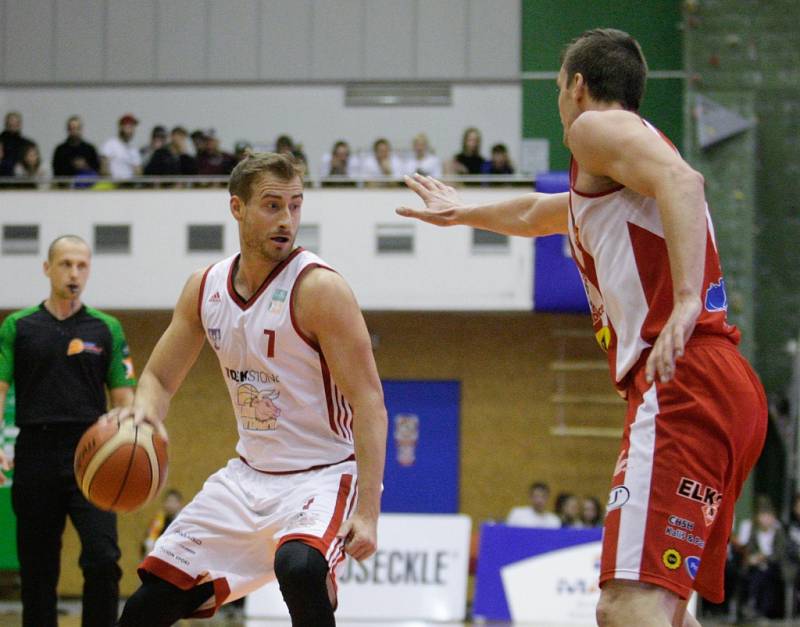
(173, 159)
(119, 157)
(241, 150)
(198, 141)
(765, 558)
(500, 162)
(382, 162)
(285, 145)
(30, 166)
(173, 503)
(212, 161)
(469, 160)
(568, 510)
(158, 139)
(12, 139)
(6, 167)
(591, 512)
(422, 160)
(535, 514)
(339, 162)
(75, 156)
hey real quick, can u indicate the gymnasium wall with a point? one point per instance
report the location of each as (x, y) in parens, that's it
(741, 53)
(505, 365)
(548, 26)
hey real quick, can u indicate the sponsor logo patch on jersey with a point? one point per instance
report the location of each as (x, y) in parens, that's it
(215, 337)
(618, 497)
(716, 298)
(692, 565)
(672, 559)
(78, 346)
(277, 301)
(215, 298)
(708, 497)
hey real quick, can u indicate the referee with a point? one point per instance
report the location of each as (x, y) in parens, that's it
(61, 355)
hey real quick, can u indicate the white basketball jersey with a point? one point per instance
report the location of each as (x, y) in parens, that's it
(291, 415)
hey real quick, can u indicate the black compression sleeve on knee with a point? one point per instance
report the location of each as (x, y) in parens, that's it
(302, 573)
(157, 603)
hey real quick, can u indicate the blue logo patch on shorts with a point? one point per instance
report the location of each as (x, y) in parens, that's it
(716, 298)
(692, 565)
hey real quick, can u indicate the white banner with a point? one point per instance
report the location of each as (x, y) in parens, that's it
(418, 573)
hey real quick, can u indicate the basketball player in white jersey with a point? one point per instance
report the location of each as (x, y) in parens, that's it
(295, 354)
(643, 241)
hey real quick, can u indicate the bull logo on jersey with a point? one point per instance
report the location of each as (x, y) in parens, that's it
(716, 298)
(257, 411)
(602, 332)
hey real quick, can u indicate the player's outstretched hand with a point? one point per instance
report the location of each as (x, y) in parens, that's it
(672, 340)
(443, 205)
(360, 536)
(5, 464)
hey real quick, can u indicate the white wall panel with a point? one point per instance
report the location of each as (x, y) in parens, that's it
(390, 39)
(286, 39)
(182, 40)
(442, 39)
(233, 44)
(28, 40)
(493, 44)
(131, 40)
(338, 35)
(442, 274)
(79, 44)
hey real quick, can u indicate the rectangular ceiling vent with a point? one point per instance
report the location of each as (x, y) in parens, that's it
(398, 95)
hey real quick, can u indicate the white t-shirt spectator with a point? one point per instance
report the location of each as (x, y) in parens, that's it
(123, 159)
(429, 165)
(371, 169)
(526, 516)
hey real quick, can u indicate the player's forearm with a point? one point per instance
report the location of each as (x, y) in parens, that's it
(516, 216)
(3, 391)
(682, 205)
(369, 430)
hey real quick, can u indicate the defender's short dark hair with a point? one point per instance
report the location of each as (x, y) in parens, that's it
(539, 485)
(612, 64)
(282, 166)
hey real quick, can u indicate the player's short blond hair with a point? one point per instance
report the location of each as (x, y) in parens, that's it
(282, 166)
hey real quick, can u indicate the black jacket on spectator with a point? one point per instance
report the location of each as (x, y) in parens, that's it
(13, 145)
(164, 162)
(66, 153)
(473, 163)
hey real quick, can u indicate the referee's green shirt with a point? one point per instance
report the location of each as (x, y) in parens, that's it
(60, 368)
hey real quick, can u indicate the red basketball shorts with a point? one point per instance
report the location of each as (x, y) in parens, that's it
(687, 449)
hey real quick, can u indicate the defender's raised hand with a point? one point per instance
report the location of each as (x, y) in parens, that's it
(443, 205)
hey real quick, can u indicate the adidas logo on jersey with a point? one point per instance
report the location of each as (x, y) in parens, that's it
(215, 298)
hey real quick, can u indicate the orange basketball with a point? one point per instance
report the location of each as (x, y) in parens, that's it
(119, 465)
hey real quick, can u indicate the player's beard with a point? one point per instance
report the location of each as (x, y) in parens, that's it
(266, 251)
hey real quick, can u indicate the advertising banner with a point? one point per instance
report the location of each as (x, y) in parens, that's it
(538, 575)
(422, 452)
(418, 573)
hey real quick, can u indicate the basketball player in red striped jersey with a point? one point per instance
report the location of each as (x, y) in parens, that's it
(296, 356)
(643, 240)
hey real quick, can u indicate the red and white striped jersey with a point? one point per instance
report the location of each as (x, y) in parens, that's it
(617, 241)
(291, 415)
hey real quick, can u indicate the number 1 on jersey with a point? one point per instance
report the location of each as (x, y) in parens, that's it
(270, 342)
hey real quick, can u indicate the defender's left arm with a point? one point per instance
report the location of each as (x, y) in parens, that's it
(326, 310)
(617, 145)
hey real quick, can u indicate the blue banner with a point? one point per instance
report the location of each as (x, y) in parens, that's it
(422, 454)
(503, 554)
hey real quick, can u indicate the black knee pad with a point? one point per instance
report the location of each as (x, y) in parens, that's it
(157, 603)
(302, 573)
